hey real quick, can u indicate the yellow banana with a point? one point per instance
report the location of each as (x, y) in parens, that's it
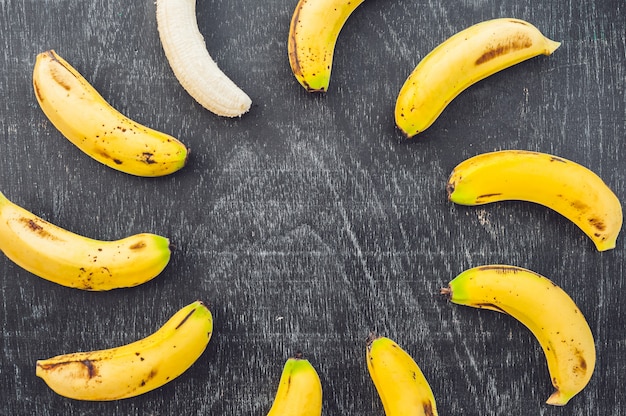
(69, 259)
(462, 60)
(135, 368)
(400, 383)
(192, 64)
(562, 185)
(545, 309)
(83, 116)
(315, 26)
(299, 390)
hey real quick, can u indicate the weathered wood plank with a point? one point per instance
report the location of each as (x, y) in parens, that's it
(309, 222)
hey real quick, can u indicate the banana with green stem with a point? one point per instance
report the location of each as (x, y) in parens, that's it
(136, 368)
(63, 257)
(545, 309)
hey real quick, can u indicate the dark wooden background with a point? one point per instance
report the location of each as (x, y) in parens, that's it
(310, 221)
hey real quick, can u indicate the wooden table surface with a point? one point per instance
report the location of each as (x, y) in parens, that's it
(310, 221)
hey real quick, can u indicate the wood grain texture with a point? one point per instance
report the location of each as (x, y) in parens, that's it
(310, 221)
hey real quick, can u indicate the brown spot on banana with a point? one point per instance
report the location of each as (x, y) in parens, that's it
(581, 368)
(38, 91)
(486, 197)
(557, 159)
(91, 370)
(579, 205)
(185, 319)
(597, 223)
(60, 75)
(151, 375)
(521, 41)
(293, 47)
(138, 245)
(146, 157)
(36, 225)
(428, 409)
(490, 306)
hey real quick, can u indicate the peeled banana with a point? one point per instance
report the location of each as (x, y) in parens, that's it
(299, 390)
(313, 32)
(69, 259)
(192, 64)
(459, 62)
(562, 185)
(135, 368)
(87, 120)
(545, 309)
(400, 383)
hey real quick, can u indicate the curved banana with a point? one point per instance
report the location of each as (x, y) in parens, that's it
(562, 185)
(84, 117)
(545, 309)
(191, 63)
(313, 32)
(69, 259)
(400, 383)
(459, 62)
(299, 390)
(135, 368)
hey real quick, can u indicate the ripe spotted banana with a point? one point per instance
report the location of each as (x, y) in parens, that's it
(400, 383)
(68, 259)
(545, 309)
(299, 390)
(315, 26)
(459, 62)
(192, 64)
(83, 116)
(562, 185)
(135, 368)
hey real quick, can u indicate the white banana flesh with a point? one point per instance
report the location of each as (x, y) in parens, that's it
(191, 62)
(71, 260)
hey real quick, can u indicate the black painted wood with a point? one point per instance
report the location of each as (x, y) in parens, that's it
(310, 221)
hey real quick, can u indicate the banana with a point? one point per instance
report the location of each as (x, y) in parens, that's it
(69, 259)
(87, 120)
(132, 369)
(313, 32)
(459, 62)
(192, 64)
(400, 383)
(299, 390)
(562, 185)
(545, 309)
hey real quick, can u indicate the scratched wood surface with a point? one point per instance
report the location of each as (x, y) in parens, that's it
(310, 221)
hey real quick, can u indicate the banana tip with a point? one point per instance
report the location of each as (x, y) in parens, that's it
(450, 190)
(552, 46)
(558, 399)
(371, 337)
